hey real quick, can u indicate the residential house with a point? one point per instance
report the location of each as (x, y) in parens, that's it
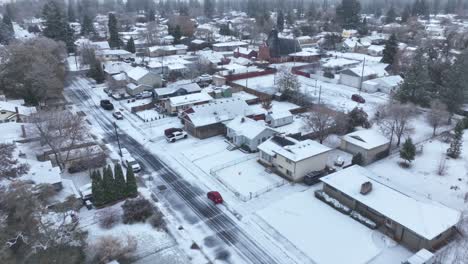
(371, 144)
(416, 222)
(306, 42)
(293, 159)
(140, 79)
(15, 111)
(355, 76)
(158, 51)
(229, 46)
(177, 89)
(112, 55)
(356, 44)
(306, 55)
(375, 50)
(248, 133)
(180, 103)
(245, 53)
(387, 84)
(207, 120)
(279, 118)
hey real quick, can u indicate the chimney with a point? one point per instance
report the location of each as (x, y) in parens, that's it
(366, 188)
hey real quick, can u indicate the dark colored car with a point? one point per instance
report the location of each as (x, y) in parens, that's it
(215, 197)
(106, 104)
(358, 98)
(314, 177)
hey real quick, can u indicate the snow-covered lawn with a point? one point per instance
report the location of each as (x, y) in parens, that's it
(249, 179)
(327, 236)
(150, 114)
(74, 64)
(422, 177)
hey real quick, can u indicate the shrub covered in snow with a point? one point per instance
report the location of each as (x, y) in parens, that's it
(157, 220)
(108, 218)
(109, 248)
(363, 220)
(137, 210)
(321, 195)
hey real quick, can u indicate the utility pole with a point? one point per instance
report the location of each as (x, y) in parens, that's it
(362, 75)
(320, 93)
(118, 141)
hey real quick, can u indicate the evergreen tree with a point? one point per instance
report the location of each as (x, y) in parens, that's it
(97, 188)
(347, 14)
(406, 14)
(390, 50)
(108, 181)
(151, 15)
(312, 13)
(96, 72)
(7, 21)
(177, 34)
(87, 27)
(280, 21)
(114, 41)
(390, 16)
(455, 83)
(454, 150)
(363, 29)
(417, 86)
(120, 184)
(132, 189)
(290, 18)
(71, 11)
(208, 8)
(6, 34)
(224, 30)
(56, 25)
(408, 151)
(130, 45)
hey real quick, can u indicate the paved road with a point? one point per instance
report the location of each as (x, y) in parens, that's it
(191, 200)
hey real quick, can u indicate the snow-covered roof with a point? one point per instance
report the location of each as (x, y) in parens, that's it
(338, 62)
(11, 106)
(43, 172)
(376, 48)
(247, 127)
(230, 44)
(137, 73)
(168, 47)
(113, 67)
(424, 217)
(292, 149)
(366, 139)
(117, 52)
(389, 81)
(189, 99)
(280, 114)
(377, 69)
(188, 85)
(244, 51)
(218, 111)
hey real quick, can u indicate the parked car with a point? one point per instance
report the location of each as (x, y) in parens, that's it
(86, 192)
(358, 98)
(215, 197)
(118, 115)
(314, 177)
(145, 94)
(129, 161)
(107, 105)
(174, 134)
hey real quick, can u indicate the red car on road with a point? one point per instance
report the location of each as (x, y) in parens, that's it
(215, 197)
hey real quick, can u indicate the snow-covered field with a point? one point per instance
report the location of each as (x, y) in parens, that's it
(326, 236)
(249, 179)
(422, 177)
(150, 114)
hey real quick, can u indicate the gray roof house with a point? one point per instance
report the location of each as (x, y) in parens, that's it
(247, 133)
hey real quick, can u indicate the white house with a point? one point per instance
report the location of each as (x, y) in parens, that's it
(248, 133)
(353, 76)
(293, 159)
(388, 84)
(375, 50)
(14, 111)
(182, 102)
(279, 118)
(117, 54)
(370, 143)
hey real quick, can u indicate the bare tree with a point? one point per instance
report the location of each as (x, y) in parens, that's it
(266, 103)
(9, 166)
(108, 217)
(287, 82)
(394, 120)
(110, 248)
(442, 166)
(322, 121)
(60, 131)
(437, 115)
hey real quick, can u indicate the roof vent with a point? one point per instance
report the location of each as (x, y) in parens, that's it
(366, 188)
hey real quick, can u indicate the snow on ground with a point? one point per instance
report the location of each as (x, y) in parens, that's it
(150, 114)
(422, 176)
(74, 64)
(249, 178)
(21, 33)
(327, 236)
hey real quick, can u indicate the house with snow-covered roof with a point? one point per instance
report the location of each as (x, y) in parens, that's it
(279, 118)
(387, 84)
(248, 133)
(140, 79)
(369, 143)
(208, 120)
(291, 158)
(14, 111)
(354, 76)
(415, 222)
(179, 103)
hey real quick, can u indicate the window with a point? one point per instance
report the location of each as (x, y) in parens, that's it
(388, 223)
(288, 172)
(288, 161)
(3, 112)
